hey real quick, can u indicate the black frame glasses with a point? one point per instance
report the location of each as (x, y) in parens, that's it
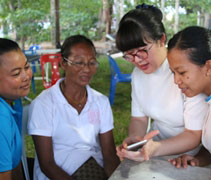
(140, 53)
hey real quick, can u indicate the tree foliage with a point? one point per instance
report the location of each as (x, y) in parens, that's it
(28, 20)
(24, 18)
(79, 17)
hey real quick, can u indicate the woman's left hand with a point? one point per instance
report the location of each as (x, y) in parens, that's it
(184, 161)
(145, 152)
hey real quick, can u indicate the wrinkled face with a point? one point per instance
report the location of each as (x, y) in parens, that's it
(15, 75)
(192, 79)
(147, 58)
(81, 65)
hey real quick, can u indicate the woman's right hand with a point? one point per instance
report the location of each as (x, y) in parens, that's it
(184, 161)
(125, 143)
(136, 155)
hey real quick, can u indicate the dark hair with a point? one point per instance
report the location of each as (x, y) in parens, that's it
(138, 26)
(73, 40)
(195, 39)
(7, 45)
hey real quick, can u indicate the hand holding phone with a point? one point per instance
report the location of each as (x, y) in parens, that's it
(135, 146)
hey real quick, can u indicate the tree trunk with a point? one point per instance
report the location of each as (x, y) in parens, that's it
(109, 16)
(5, 28)
(22, 39)
(119, 8)
(198, 18)
(162, 9)
(52, 22)
(105, 19)
(176, 23)
(58, 45)
(19, 4)
(55, 31)
(207, 20)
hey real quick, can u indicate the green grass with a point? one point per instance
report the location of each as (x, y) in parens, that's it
(101, 82)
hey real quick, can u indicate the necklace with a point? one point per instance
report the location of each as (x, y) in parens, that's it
(77, 103)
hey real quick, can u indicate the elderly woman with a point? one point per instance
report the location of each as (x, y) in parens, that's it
(15, 80)
(71, 123)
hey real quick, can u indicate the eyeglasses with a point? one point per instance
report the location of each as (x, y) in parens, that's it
(140, 53)
(80, 64)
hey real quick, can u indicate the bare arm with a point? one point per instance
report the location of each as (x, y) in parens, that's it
(44, 149)
(136, 132)
(138, 126)
(6, 175)
(111, 160)
(181, 143)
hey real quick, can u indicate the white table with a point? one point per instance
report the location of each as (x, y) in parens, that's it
(158, 169)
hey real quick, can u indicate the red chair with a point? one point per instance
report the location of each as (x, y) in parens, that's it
(45, 60)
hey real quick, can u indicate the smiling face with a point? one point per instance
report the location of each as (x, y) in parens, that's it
(192, 79)
(15, 75)
(79, 54)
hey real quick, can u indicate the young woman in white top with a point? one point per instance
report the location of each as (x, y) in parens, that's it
(190, 61)
(141, 37)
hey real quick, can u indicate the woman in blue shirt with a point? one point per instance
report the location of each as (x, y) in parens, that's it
(15, 80)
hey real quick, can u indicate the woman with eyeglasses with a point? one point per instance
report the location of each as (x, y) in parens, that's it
(71, 123)
(141, 37)
(190, 60)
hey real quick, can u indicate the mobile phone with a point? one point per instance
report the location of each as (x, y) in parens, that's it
(137, 145)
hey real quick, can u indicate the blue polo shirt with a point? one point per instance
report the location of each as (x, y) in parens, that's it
(10, 134)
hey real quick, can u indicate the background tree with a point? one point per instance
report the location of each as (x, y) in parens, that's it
(24, 19)
(176, 17)
(193, 10)
(55, 31)
(79, 17)
(105, 19)
(29, 21)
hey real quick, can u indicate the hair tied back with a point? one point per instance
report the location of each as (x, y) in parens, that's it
(150, 8)
(145, 6)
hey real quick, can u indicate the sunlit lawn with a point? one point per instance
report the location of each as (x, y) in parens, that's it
(101, 82)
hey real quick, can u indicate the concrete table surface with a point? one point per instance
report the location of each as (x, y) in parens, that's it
(158, 169)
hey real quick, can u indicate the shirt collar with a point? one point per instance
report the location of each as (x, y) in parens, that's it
(17, 105)
(60, 97)
(208, 99)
